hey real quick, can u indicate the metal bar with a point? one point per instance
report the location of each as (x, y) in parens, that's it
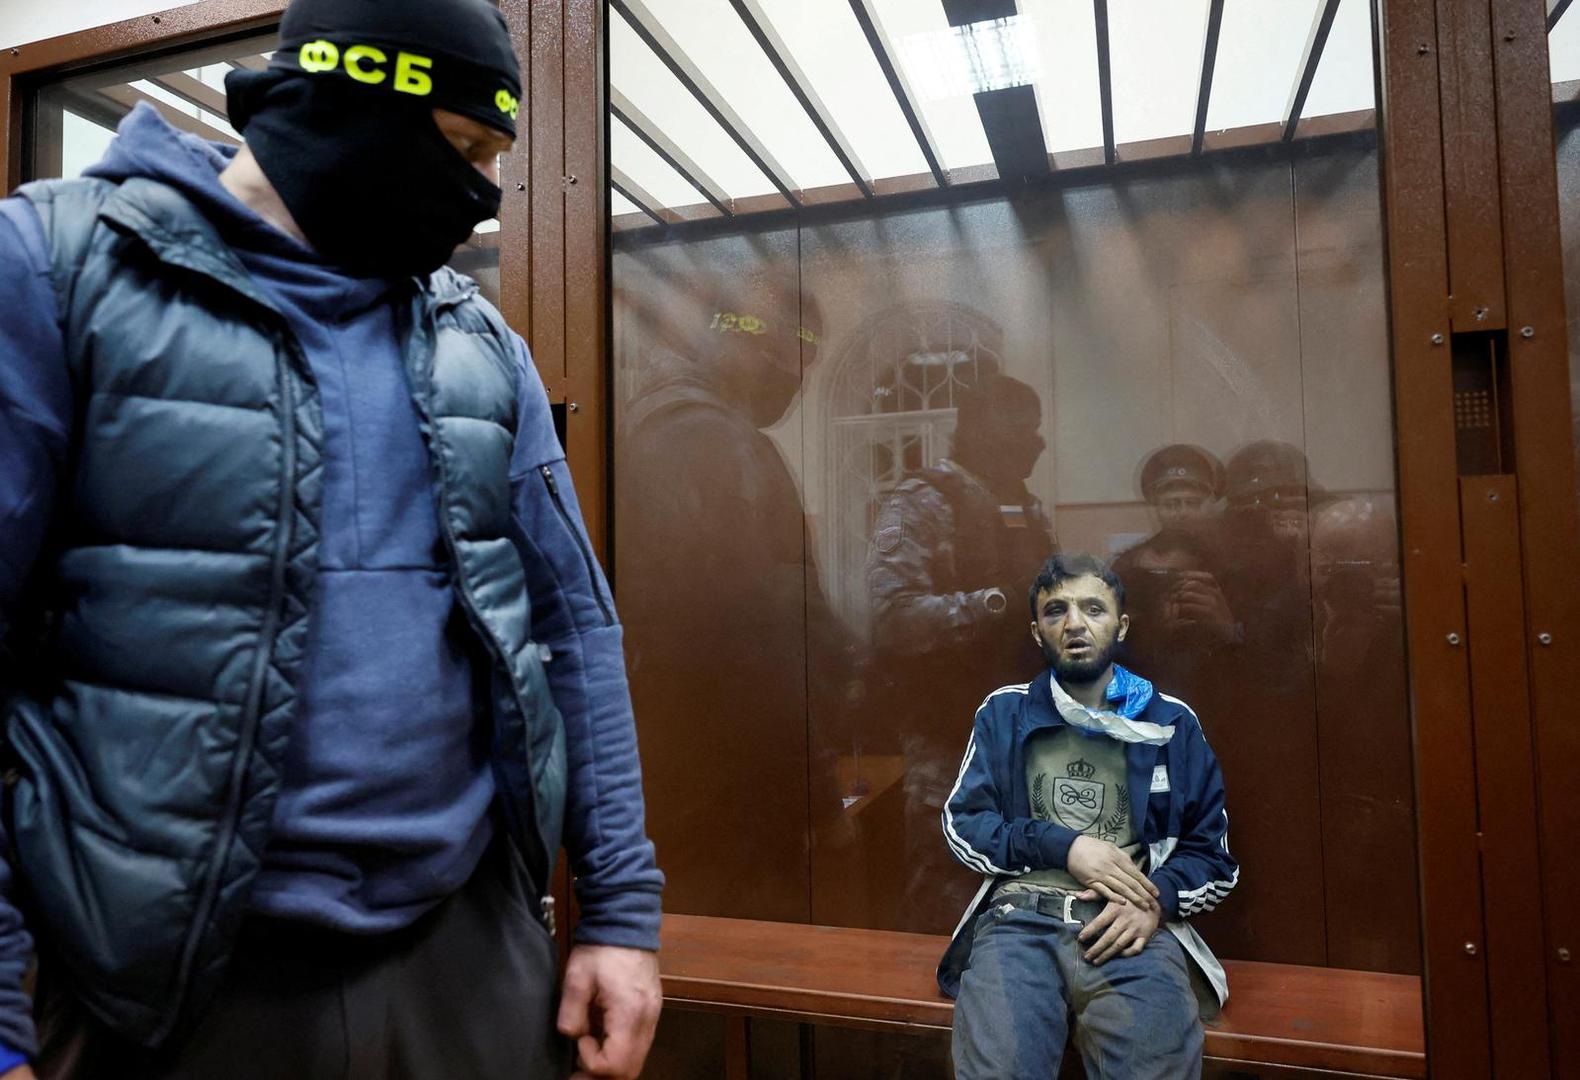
(129, 96)
(1455, 977)
(900, 86)
(651, 31)
(1105, 77)
(192, 24)
(665, 147)
(194, 91)
(1316, 41)
(588, 401)
(515, 216)
(1555, 12)
(1505, 772)
(90, 106)
(1209, 60)
(1470, 171)
(828, 205)
(636, 194)
(780, 57)
(546, 100)
(1544, 457)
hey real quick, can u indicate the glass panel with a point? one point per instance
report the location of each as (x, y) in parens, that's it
(825, 39)
(723, 50)
(638, 74)
(1157, 52)
(846, 440)
(652, 173)
(1344, 79)
(74, 120)
(1260, 47)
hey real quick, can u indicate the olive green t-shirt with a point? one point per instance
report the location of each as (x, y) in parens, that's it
(1077, 781)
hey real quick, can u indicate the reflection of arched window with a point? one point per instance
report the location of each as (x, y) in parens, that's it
(891, 410)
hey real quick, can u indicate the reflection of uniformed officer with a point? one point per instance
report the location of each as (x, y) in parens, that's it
(1181, 482)
(949, 550)
(1267, 481)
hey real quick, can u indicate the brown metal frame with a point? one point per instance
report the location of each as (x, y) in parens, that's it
(22, 65)
(1492, 603)
(1454, 977)
(1545, 473)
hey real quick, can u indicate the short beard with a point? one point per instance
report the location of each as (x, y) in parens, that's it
(1078, 672)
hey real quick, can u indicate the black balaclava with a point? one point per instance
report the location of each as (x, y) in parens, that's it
(341, 123)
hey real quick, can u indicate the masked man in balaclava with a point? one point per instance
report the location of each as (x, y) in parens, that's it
(307, 670)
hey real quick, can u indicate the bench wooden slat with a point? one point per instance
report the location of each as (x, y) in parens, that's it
(1279, 1014)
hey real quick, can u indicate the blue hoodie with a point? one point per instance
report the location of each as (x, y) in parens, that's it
(358, 846)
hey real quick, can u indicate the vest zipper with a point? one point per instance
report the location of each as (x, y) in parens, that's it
(581, 544)
(248, 736)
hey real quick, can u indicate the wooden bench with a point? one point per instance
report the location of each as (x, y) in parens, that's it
(1282, 1020)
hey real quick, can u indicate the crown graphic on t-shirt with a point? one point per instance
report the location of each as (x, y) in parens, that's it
(1081, 770)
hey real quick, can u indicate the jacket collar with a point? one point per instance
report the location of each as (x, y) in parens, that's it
(178, 235)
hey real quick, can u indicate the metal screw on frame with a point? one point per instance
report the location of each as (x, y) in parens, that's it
(573, 407)
(1470, 948)
(1545, 638)
(1481, 314)
(1422, 50)
(521, 186)
(1563, 955)
(1453, 639)
(1527, 331)
(1437, 339)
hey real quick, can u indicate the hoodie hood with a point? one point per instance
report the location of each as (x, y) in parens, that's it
(148, 146)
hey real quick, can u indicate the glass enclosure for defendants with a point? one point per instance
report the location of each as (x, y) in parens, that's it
(907, 298)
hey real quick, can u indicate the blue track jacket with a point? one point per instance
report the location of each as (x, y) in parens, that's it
(1176, 792)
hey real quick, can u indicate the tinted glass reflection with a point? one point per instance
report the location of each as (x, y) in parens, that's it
(843, 450)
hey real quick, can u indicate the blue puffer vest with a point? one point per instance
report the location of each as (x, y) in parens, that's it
(147, 743)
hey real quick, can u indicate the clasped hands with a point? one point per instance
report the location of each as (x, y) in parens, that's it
(1132, 914)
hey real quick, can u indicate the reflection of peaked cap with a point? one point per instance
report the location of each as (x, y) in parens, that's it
(1181, 463)
(1265, 466)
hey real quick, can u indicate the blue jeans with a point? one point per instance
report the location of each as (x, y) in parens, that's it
(1135, 1017)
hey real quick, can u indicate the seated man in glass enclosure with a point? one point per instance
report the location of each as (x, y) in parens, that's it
(1094, 809)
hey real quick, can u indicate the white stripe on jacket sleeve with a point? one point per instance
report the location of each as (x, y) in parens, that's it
(964, 851)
